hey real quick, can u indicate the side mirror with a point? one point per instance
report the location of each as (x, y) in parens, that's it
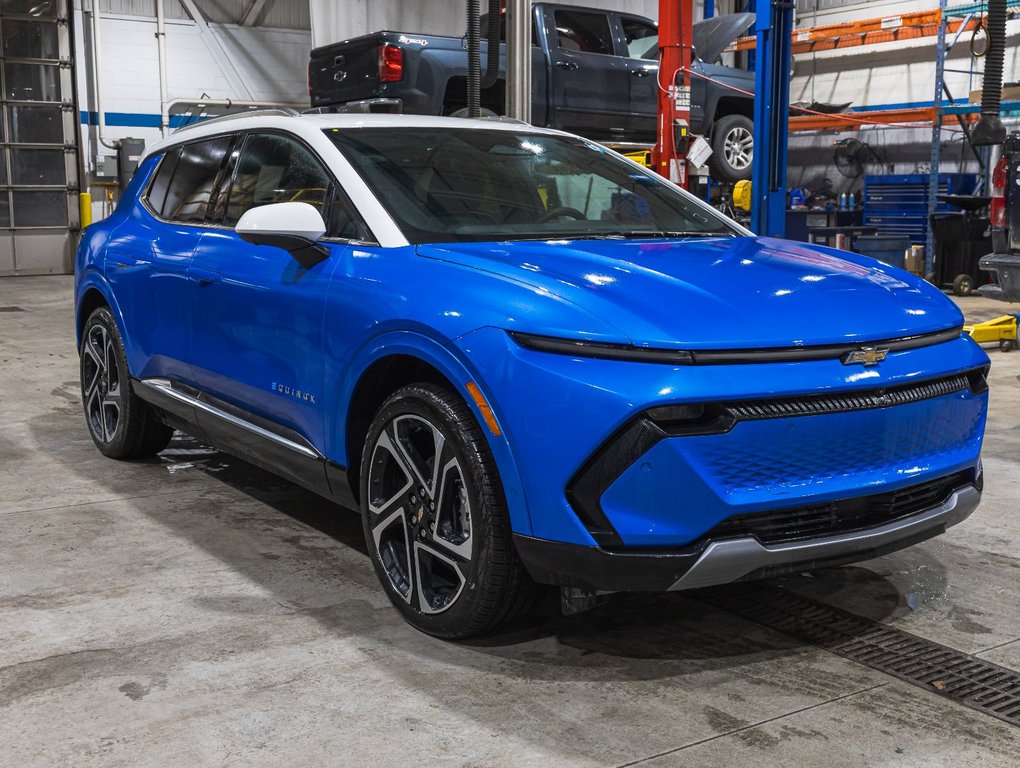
(295, 227)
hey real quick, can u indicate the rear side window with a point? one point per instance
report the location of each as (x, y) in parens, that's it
(642, 39)
(583, 32)
(161, 181)
(194, 180)
(276, 169)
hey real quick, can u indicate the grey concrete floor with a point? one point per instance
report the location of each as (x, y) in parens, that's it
(194, 611)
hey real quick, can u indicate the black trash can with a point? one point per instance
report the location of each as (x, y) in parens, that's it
(961, 239)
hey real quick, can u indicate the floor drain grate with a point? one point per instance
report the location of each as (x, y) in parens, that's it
(11, 309)
(974, 682)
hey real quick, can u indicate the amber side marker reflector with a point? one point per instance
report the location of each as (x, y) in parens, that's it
(490, 419)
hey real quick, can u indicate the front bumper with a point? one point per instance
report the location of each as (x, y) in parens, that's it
(736, 559)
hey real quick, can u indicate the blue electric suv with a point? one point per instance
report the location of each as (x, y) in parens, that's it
(526, 360)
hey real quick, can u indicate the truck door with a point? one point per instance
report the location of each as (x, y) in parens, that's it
(641, 40)
(590, 84)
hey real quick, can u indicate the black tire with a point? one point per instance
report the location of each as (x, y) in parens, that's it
(411, 536)
(1007, 345)
(963, 285)
(121, 424)
(726, 163)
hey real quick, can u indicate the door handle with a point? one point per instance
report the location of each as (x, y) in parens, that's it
(640, 72)
(205, 276)
(566, 65)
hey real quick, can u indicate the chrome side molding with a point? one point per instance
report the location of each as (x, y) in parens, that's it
(166, 388)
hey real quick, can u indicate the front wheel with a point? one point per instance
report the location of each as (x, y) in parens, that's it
(435, 519)
(732, 149)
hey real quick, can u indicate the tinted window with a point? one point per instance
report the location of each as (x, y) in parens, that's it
(161, 181)
(460, 184)
(583, 32)
(276, 169)
(642, 39)
(194, 180)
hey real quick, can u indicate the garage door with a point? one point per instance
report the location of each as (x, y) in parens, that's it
(39, 166)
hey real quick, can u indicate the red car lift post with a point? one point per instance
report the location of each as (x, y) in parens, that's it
(669, 156)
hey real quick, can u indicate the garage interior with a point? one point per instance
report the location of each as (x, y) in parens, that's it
(194, 610)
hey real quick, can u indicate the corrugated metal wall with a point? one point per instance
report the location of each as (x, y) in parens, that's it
(284, 14)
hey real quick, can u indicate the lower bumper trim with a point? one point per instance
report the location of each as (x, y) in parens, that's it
(729, 560)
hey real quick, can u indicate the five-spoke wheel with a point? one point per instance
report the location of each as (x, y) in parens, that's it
(100, 382)
(121, 425)
(436, 522)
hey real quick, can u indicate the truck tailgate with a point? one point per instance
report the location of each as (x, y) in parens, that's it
(346, 71)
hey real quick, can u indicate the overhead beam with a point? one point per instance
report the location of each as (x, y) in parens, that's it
(254, 11)
(218, 51)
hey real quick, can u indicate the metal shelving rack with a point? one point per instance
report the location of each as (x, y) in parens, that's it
(956, 19)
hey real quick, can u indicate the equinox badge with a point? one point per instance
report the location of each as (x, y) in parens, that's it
(865, 356)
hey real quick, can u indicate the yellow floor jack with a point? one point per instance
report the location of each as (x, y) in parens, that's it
(1001, 331)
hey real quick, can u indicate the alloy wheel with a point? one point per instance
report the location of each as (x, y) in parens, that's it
(101, 383)
(739, 148)
(420, 513)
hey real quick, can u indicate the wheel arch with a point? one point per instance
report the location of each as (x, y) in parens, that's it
(93, 292)
(396, 360)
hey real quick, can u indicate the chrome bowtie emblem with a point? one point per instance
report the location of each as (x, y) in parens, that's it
(865, 356)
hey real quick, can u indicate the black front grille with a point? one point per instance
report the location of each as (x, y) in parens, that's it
(841, 516)
(814, 405)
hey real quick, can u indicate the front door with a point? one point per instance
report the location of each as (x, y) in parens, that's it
(590, 88)
(257, 331)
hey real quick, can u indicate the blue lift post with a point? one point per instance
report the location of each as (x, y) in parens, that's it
(774, 28)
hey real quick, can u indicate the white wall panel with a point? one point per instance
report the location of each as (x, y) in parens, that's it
(272, 61)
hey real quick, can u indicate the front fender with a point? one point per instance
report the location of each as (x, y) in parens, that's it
(448, 360)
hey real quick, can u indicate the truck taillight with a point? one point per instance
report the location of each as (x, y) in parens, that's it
(997, 210)
(391, 63)
(308, 79)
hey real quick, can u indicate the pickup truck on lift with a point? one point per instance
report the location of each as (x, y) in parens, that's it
(594, 73)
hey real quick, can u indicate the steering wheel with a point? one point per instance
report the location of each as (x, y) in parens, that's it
(562, 210)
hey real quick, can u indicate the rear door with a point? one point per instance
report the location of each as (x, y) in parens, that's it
(590, 83)
(640, 39)
(147, 265)
(257, 333)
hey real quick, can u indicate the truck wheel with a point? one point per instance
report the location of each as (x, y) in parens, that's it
(732, 149)
(963, 285)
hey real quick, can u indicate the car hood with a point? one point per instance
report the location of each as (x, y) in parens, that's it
(716, 293)
(713, 36)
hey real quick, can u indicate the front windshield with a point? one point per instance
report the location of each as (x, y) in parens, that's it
(462, 184)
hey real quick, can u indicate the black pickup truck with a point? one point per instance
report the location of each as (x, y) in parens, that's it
(1004, 263)
(594, 73)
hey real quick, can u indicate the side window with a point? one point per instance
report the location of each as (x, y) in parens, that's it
(583, 32)
(642, 38)
(161, 181)
(194, 180)
(276, 169)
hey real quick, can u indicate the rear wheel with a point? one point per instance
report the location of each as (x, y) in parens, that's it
(121, 425)
(435, 518)
(732, 149)
(963, 285)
